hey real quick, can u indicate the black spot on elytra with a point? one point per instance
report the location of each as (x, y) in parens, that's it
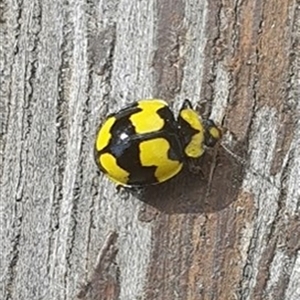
(130, 161)
(121, 131)
(170, 132)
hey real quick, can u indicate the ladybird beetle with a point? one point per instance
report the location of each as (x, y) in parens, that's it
(143, 144)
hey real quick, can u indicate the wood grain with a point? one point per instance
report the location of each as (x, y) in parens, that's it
(231, 234)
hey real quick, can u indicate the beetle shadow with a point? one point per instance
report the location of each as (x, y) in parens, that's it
(197, 193)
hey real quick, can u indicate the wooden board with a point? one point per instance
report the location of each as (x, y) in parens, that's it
(66, 233)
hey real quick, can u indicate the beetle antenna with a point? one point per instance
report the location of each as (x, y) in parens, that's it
(244, 162)
(235, 156)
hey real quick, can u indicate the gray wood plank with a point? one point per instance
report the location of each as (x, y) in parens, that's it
(66, 233)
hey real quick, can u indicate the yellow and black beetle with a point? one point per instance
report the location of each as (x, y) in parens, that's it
(143, 144)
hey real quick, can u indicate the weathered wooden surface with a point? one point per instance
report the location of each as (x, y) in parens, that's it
(65, 65)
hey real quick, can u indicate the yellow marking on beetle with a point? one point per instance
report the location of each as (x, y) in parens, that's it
(195, 147)
(155, 153)
(104, 135)
(215, 132)
(114, 172)
(148, 120)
